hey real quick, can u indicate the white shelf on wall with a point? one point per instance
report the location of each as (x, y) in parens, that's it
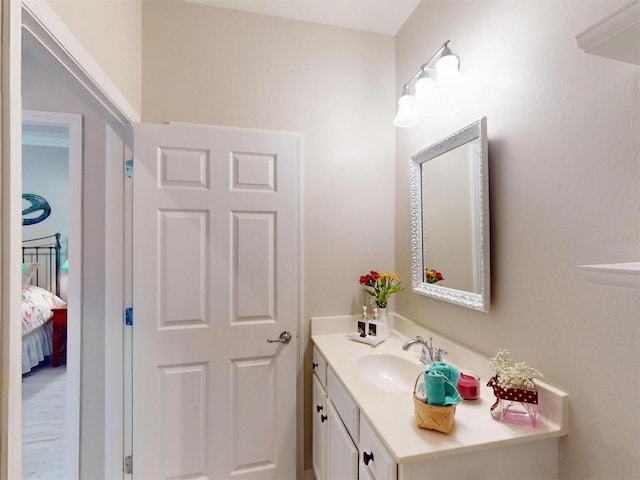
(616, 36)
(614, 274)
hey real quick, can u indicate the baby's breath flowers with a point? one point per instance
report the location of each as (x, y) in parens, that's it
(513, 375)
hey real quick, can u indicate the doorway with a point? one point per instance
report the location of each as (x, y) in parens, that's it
(52, 168)
(33, 28)
(95, 262)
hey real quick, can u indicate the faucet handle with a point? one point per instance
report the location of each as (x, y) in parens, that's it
(437, 355)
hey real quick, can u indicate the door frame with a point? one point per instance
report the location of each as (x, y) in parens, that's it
(47, 28)
(73, 122)
(43, 23)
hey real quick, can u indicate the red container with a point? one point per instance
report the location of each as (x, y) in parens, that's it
(469, 385)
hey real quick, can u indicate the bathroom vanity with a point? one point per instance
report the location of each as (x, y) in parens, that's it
(363, 416)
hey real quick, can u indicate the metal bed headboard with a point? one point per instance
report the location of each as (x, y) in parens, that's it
(47, 252)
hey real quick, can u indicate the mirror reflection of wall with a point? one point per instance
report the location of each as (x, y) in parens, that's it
(449, 191)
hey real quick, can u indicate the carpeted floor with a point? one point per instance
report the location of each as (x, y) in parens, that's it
(43, 414)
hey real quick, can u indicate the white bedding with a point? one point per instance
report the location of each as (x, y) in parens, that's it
(35, 346)
(36, 327)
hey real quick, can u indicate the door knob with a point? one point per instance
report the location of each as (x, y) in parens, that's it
(285, 337)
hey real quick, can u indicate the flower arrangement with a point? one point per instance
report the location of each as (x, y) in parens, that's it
(513, 375)
(381, 286)
(432, 276)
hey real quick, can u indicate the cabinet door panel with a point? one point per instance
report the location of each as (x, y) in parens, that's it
(343, 455)
(364, 473)
(374, 454)
(320, 429)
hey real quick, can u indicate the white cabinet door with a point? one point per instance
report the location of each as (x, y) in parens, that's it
(320, 429)
(343, 455)
(215, 274)
(364, 473)
(374, 455)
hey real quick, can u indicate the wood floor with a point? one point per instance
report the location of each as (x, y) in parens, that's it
(43, 415)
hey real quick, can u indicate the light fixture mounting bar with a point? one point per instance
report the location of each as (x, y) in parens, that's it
(425, 66)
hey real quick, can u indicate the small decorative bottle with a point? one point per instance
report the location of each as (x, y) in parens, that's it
(362, 323)
(373, 324)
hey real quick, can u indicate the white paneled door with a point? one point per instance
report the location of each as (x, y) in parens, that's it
(215, 275)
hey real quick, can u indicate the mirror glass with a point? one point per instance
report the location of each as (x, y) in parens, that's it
(450, 219)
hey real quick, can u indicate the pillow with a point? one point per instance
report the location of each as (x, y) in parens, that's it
(42, 298)
(28, 270)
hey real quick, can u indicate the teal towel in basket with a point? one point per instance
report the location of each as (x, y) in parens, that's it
(441, 390)
(451, 372)
(434, 385)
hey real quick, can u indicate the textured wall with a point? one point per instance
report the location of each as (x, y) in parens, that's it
(111, 32)
(336, 86)
(564, 132)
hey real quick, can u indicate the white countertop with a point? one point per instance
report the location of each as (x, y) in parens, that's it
(391, 414)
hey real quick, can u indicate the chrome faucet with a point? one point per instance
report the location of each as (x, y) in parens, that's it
(427, 348)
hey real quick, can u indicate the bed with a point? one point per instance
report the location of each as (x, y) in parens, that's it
(40, 293)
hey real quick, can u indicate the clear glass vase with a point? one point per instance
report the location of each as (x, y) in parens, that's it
(518, 413)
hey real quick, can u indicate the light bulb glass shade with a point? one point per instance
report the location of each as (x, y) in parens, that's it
(425, 99)
(406, 117)
(447, 68)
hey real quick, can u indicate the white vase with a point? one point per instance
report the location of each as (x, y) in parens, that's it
(383, 323)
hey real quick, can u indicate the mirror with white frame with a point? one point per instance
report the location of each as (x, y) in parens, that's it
(450, 218)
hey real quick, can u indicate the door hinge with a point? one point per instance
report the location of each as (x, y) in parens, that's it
(128, 168)
(128, 464)
(128, 316)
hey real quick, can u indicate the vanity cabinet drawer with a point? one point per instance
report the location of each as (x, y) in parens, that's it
(319, 366)
(346, 407)
(373, 454)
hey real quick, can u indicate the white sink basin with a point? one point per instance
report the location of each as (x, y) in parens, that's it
(389, 372)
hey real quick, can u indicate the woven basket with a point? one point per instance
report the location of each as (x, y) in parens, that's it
(433, 417)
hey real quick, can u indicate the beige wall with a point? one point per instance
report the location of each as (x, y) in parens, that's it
(209, 65)
(563, 130)
(110, 30)
(336, 86)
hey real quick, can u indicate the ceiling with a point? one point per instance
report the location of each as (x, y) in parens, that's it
(380, 16)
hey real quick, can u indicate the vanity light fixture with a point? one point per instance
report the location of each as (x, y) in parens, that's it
(444, 65)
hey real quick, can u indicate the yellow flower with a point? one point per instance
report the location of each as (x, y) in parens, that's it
(389, 276)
